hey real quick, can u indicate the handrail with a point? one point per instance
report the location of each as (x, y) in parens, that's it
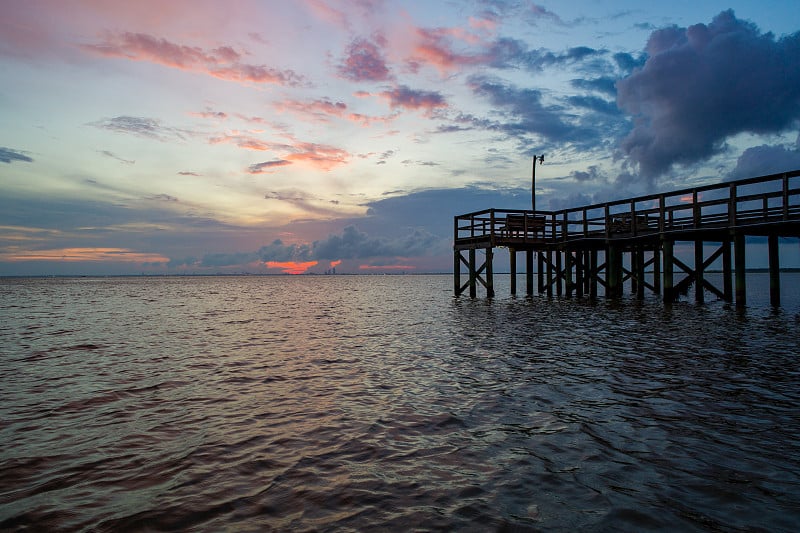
(680, 210)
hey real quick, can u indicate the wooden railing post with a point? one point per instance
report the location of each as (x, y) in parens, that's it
(785, 196)
(585, 223)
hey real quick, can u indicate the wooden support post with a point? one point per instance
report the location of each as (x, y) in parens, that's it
(559, 273)
(568, 273)
(512, 262)
(774, 272)
(657, 270)
(668, 270)
(593, 274)
(739, 267)
(529, 272)
(489, 273)
(549, 273)
(588, 272)
(699, 289)
(727, 271)
(641, 287)
(456, 272)
(540, 272)
(580, 267)
(613, 272)
(472, 274)
(634, 270)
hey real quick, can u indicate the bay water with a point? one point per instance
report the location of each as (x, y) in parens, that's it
(383, 403)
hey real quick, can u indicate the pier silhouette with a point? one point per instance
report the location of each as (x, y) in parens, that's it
(583, 248)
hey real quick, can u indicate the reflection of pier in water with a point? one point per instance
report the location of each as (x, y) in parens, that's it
(582, 248)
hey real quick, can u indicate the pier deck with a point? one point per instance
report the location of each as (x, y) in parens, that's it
(581, 248)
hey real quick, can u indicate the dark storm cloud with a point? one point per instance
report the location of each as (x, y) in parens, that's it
(528, 114)
(763, 160)
(513, 53)
(524, 104)
(703, 84)
(7, 155)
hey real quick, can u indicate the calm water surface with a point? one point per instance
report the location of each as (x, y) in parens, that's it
(383, 403)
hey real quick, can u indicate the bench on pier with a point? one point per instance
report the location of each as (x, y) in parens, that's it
(519, 225)
(623, 223)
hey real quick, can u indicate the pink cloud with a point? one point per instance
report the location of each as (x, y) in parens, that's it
(223, 62)
(242, 141)
(433, 47)
(327, 13)
(319, 110)
(407, 98)
(210, 114)
(365, 61)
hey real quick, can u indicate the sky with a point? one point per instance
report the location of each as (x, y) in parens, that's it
(273, 136)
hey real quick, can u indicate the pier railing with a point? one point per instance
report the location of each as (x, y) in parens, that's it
(750, 203)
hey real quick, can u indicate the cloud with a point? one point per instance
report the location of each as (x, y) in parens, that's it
(210, 114)
(355, 244)
(7, 155)
(188, 173)
(148, 128)
(114, 156)
(113, 255)
(364, 60)
(266, 166)
(527, 112)
(319, 110)
(321, 156)
(407, 98)
(703, 84)
(291, 267)
(223, 62)
(763, 160)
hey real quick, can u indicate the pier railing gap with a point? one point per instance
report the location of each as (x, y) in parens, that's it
(581, 249)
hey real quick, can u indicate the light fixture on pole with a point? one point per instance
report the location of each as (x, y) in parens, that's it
(540, 158)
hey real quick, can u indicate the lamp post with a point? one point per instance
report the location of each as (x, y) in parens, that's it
(540, 158)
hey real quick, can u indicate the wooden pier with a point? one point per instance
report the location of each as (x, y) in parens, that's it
(581, 249)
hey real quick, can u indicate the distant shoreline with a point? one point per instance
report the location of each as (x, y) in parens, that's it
(789, 270)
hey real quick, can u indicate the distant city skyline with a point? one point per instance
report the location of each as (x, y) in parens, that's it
(313, 136)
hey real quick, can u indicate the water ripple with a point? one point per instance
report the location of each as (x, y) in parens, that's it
(382, 403)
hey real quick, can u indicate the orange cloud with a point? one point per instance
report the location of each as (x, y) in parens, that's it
(114, 255)
(335, 263)
(321, 156)
(291, 267)
(222, 62)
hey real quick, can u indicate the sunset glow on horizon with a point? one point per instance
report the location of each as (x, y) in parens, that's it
(251, 136)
